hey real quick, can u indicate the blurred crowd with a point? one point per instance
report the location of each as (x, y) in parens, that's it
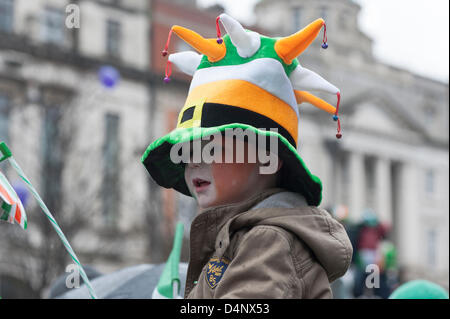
(374, 272)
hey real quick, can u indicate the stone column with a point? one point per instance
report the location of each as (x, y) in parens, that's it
(383, 189)
(357, 185)
(408, 235)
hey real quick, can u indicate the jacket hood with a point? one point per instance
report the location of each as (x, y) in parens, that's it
(325, 236)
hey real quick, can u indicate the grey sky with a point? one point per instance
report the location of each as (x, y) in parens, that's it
(411, 34)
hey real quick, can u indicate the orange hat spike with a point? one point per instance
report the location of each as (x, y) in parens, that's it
(209, 47)
(288, 48)
(303, 96)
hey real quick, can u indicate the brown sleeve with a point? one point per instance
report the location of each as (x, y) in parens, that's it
(262, 267)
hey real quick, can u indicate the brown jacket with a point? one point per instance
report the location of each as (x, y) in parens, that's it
(271, 246)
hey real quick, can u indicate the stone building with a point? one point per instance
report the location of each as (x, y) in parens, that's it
(79, 141)
(393, 156)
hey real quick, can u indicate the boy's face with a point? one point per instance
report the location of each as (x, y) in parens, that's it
(220, 183)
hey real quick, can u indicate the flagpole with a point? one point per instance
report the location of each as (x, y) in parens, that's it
(8, 155)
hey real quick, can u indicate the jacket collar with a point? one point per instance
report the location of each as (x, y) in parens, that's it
(216, 217)
(205, 228)
(277, 198)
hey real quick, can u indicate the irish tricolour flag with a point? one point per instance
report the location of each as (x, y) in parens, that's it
(11, 208)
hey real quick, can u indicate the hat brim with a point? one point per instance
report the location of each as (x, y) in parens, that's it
(168, 174)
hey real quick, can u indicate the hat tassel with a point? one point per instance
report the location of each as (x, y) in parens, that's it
(164, 53)
(303, 96)
(336, 116)
(219, 34)
(325, 38)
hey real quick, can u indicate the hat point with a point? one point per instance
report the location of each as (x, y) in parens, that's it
(207, 47)
(290, 47)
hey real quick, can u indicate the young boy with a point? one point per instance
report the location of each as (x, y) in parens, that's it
(260, 233)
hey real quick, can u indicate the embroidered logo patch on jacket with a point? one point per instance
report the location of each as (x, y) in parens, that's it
(215, 270)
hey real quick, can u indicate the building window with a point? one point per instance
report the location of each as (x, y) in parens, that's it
(111, 169)
(4, 118)
(296, 18)
(6, 15)
(429, 182)
(53, 161)
(53, 26)
(113, 38)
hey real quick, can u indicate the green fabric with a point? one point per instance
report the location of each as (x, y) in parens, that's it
(6, 207)
(232, 57)
(5, 214)
(419, 289)
(5, 151)
(170, 272)
(370, 218)
(390, 256)
(175, 172)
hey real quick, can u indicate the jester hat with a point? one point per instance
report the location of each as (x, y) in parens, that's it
(248, 81)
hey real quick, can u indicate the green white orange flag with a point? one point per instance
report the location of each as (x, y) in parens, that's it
(169, 283)
(5, 154)
(11, 208)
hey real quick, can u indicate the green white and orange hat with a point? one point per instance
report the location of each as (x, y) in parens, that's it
(249, 81)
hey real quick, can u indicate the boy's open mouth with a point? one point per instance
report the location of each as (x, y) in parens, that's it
(200, 184)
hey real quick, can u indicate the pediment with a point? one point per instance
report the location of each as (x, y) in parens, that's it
(378, 115)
